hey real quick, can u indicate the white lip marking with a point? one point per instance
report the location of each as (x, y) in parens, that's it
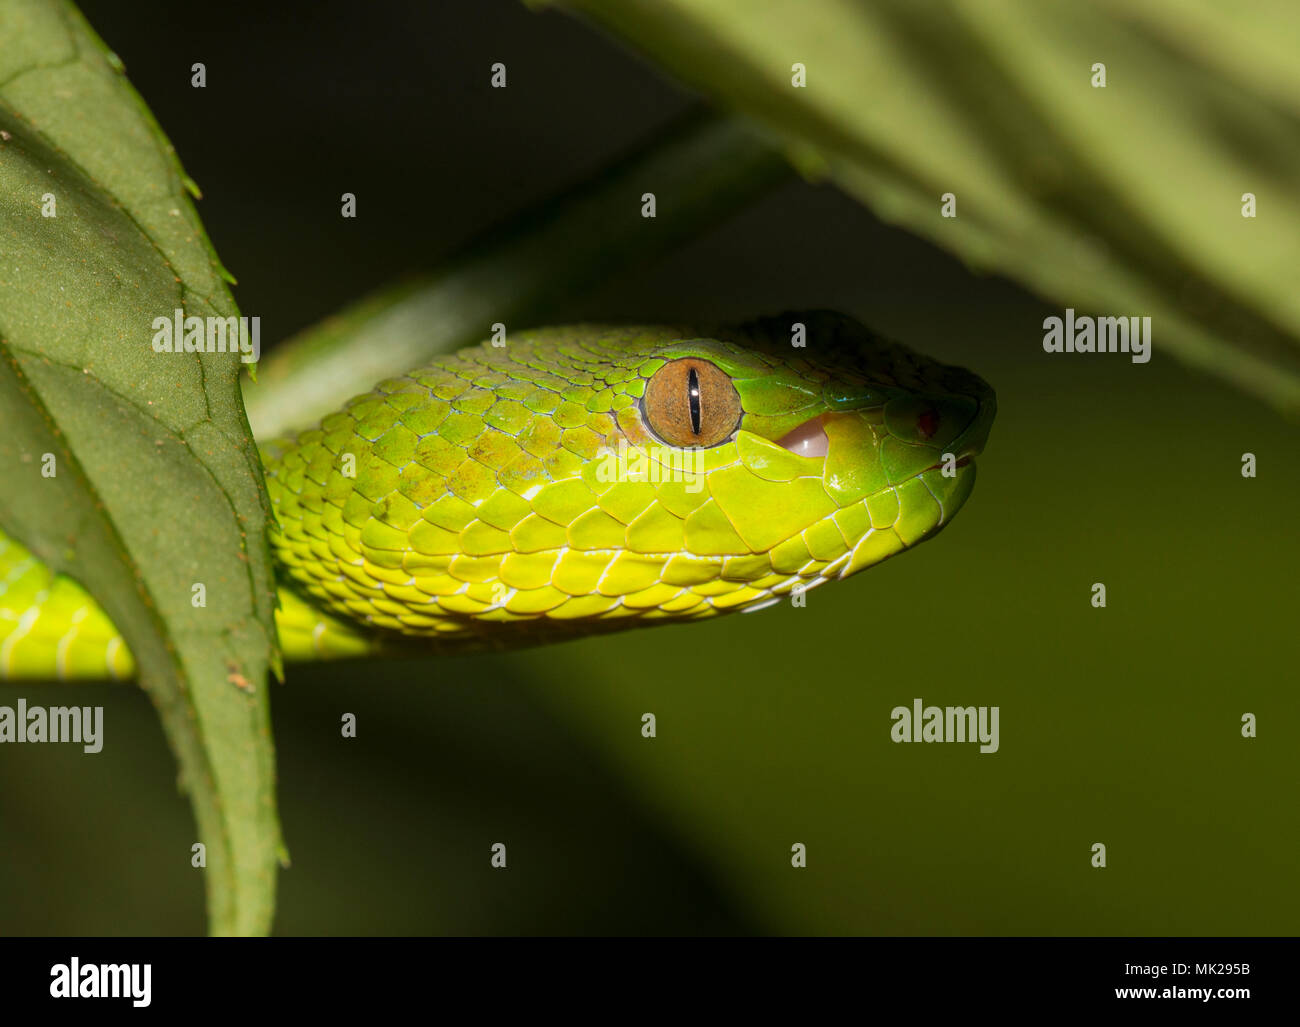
(809, 439)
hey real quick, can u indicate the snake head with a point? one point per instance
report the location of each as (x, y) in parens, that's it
(840, 429)
(597, 477)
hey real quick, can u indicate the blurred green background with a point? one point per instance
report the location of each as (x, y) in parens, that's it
(1119, 726)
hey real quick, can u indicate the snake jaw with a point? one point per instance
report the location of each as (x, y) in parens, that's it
(961, 461)
(904, 476)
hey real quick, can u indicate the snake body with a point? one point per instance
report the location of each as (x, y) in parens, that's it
(578, 479)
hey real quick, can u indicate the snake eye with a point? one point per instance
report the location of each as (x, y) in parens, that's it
(691, 402)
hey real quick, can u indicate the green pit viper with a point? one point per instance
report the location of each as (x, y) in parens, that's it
(578, 479)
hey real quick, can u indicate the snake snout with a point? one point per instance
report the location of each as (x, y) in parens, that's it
(975, 433)
(930, 421)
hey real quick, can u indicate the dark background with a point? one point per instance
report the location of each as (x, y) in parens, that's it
(1119, 726)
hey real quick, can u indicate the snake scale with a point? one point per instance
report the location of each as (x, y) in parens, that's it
(578, 479)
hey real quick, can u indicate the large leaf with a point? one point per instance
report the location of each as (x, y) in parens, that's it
(158, 483)
(1122, 200)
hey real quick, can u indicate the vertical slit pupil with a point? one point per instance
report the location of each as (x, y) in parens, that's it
(693, 395)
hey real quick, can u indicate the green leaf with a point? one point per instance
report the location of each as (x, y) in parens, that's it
(158, 484)
(1122, 200)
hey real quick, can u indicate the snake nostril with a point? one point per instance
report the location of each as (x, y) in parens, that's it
(928, 423)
